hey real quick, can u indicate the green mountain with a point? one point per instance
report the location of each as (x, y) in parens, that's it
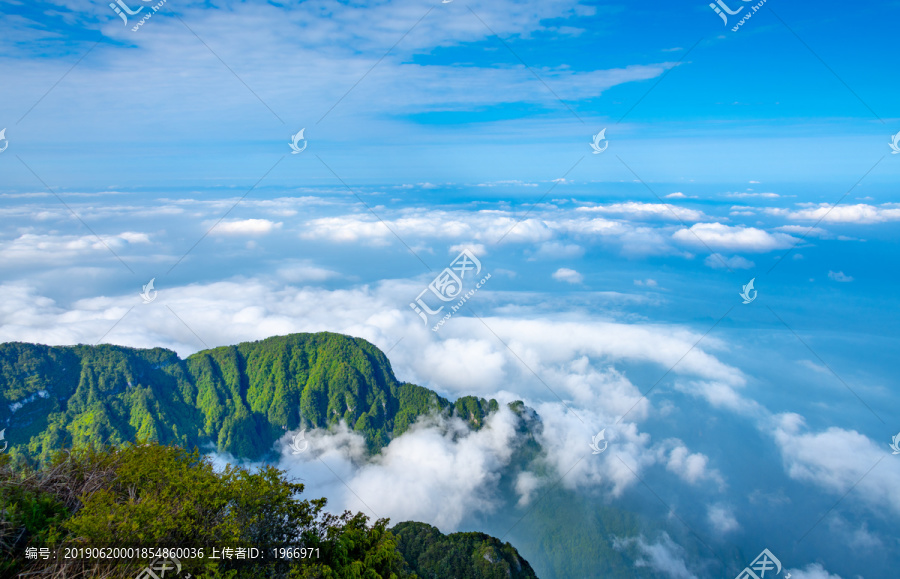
(433, 555)
(240, 398)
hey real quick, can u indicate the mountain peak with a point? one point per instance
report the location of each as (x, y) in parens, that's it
(241, 398)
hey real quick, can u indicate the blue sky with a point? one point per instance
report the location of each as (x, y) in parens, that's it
(163, 153)
(451, 101)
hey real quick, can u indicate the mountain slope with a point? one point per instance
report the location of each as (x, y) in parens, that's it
(241, 398)
(433, 555)
(155, 496)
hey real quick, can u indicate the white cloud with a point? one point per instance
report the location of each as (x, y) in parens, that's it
(557, 250)
(527, 485)
(810, 365)
(720, 394)
(477, 248)
(231, 311)
(305, 271)
(719, 261)
(330, 47)
(690, 467)
(719, 236)
(568, 275)
(806, 231)
(839, 276)
(860, 213)
(507, 182)
(664, 557)
(347, 229)
(858, 537)
(646, 211)
(646, 282)
(548, 227)
(721, 519)
(33, 248)
(245, 227)
(485, 367)
(465, 359)
(478, 226)
(811, 571)
(837, 460)
(746, 195)
(437, 457)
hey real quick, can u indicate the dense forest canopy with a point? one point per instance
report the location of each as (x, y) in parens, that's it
(240, 398)
(160, 496)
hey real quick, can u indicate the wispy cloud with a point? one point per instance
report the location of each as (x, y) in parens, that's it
(719, 261)
(747, 195)
(839, 276)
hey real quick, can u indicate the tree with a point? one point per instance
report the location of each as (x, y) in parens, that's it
(153, 495)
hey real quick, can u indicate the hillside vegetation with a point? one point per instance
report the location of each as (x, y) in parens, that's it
(160, 496)
(239, 398)
(433, 555)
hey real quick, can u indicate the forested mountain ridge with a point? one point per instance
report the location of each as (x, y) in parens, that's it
(240, 398)
(433, 555)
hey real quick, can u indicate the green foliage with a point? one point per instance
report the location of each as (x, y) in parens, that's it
(474, 410)
(25, 512)
(352, 550)
(101, 399)
(433, 555)
(241, 398)
(164, 496)
(414, 401)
